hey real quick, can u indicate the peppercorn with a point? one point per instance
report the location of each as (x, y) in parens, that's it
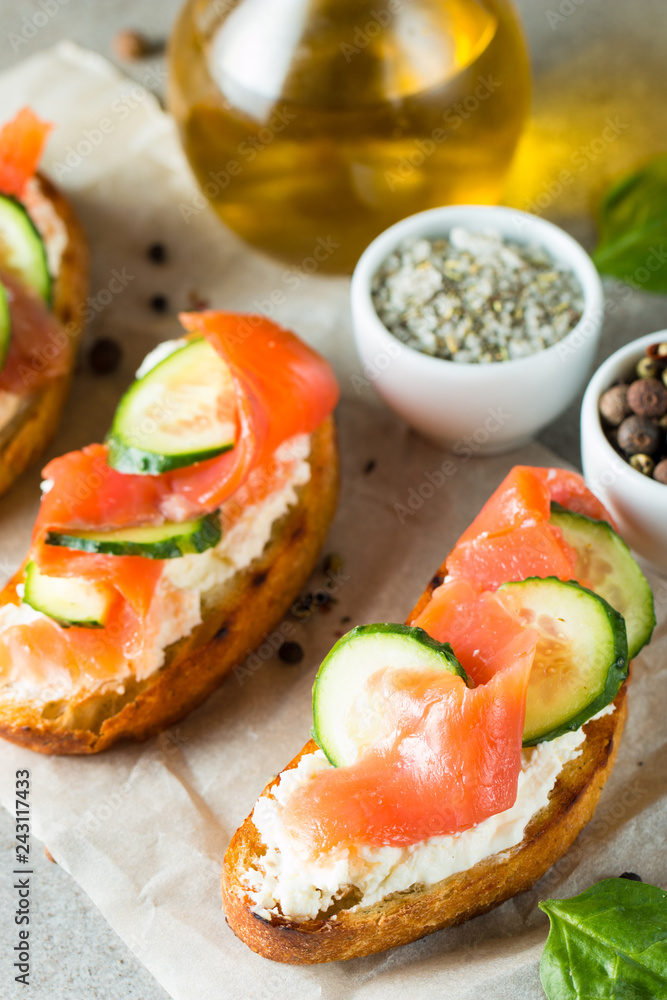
(647, 368)
(130, 45)
(660, 471)
(614, 405)
(104, 356)
(159, 303)
(647, 397)
(290, 652)
(657, 351)
(638, 435)
(643, 464)
(323, 600)
(157, 253)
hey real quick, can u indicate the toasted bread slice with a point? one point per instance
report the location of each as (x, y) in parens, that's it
(406, 916)
(236, 616)
(26, 436)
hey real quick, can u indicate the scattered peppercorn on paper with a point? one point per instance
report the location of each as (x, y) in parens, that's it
(143, 829)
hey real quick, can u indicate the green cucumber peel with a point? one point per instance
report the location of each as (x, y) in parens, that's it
(440, 655)
(617, 670)
(5, 326)
(200, 535)
(625, 587)
(24, 252)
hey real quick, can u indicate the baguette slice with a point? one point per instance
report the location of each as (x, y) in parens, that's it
(235, 616)
(406, 916)
(26, 436)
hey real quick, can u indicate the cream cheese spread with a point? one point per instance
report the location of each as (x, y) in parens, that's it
(176, 607)
(250, 527)
(301, 886)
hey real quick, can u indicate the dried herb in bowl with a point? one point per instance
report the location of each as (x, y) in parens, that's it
(476, 298)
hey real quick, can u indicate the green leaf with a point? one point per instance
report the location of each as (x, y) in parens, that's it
(633, 228)
(609, 943)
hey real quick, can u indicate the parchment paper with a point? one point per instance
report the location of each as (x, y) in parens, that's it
(144, 829)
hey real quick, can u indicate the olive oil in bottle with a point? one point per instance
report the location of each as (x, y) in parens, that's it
(312, 125)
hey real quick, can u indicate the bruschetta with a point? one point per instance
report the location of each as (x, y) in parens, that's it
(160, 558)
(456, 757)
(43, 288)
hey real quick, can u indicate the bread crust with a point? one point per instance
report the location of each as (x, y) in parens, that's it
(404, 917)
(194, 667)
(38, 422)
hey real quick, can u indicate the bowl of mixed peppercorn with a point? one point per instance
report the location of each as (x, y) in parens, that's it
(624, 442)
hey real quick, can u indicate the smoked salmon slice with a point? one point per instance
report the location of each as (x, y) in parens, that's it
(477, 624)
(531, 550)
(22, 142)
(39, 349)
(522, 498)
(272, 371)
(570, 491)
(452, 755)
(451, 760)
(283, 389)
(511, 538)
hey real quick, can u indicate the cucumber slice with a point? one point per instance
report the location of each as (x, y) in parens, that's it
(5, 326)
(346, 719)
(67, 600)
(581, 659)
(606, 563)
(168, 541)
(181, 412)
(22, 249)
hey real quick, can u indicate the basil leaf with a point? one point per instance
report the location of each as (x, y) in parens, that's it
(609, 943)
(633, 228)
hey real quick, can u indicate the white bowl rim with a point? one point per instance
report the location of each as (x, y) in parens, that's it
(602, 380)
(583, 269)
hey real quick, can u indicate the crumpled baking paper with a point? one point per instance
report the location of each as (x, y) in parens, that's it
(143, 829)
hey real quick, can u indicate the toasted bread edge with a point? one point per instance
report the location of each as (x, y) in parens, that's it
(70, 288)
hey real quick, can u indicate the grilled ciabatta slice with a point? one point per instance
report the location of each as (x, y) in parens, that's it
(235, 615)
(406, 916)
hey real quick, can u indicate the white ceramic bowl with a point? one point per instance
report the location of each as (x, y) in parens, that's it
(472, 408)
(637, 503)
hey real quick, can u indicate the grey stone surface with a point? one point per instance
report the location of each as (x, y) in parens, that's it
(593, 59)
(75, 953)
